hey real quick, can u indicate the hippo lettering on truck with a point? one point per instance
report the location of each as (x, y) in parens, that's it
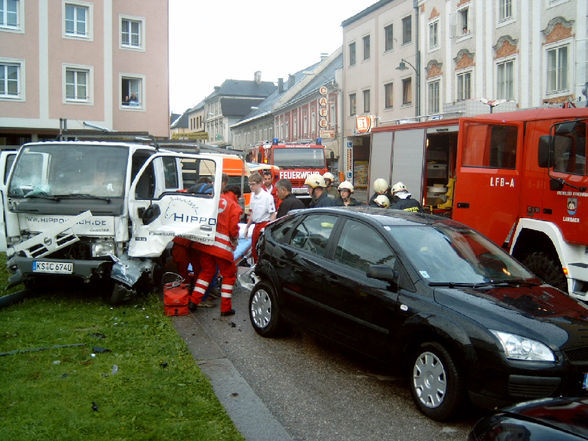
(520, 178)
(104, 211)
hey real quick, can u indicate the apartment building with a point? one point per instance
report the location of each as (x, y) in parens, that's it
(80, 64)
(420, 59)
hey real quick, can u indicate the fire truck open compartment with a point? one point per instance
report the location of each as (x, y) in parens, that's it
(439, 176)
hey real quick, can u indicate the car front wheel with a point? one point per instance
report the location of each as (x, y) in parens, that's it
(435, 382)
(264, 311)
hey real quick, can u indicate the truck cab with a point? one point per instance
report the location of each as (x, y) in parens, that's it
(104, 211)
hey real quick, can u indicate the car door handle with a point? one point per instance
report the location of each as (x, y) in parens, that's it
(463, 205)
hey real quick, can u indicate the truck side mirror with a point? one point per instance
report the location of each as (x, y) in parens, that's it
(151, 213)
(545, 155)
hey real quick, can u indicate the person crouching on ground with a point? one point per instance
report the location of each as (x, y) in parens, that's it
(262, 209)
(289, 201)
(316, 186)
(345, 200)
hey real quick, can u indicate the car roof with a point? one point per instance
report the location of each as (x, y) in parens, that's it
(387, 216)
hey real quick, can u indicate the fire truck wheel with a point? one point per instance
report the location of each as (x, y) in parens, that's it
(546, 267)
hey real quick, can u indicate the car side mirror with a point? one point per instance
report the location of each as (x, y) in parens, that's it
(385, 273)
(150, 214)
(545, 155)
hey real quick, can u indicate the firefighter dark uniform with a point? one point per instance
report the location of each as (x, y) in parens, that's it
(220, 254)
(408, 204)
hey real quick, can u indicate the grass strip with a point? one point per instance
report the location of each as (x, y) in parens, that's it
(107, 373)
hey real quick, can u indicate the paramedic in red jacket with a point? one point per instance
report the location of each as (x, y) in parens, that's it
(220, 253)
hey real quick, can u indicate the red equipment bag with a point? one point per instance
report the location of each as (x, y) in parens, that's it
(176, 295)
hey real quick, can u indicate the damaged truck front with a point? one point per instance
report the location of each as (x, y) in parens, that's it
(104, 212)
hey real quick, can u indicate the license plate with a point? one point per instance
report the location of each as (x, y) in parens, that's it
(585, 382)
(40, 266)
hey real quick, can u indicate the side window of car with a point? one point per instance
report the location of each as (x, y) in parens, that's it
(313, 233)
(360, 246)
(281, 233)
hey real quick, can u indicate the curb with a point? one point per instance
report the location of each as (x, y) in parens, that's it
(249, 414)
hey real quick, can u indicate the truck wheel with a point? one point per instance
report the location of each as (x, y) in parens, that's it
(120, 294)
(546, 267)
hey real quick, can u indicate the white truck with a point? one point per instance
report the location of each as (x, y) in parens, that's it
(104, 212)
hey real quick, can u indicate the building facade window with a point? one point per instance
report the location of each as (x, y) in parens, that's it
(352, 104)
(366, 101)
(389, 38)
(388, 95)
(10, 14)
(77, 18)
(433, 97)
(332, 116)
(352, 54)
(504, 10)
(366, 47)
(505, 80)
(131, 33)
(434, 35)
(464, 86)
(463, 15)
(407, 91)
(10, 80)
(77, 84)
(407, 29)
(132, 92)
(557, 69)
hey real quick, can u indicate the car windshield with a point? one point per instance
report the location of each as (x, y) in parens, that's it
(56, 171)
(448, 255)
(299, 157)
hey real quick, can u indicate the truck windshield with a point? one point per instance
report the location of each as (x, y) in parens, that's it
(48, 170)
(299, 157)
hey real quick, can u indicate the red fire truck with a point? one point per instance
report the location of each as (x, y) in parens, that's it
(519, 177)
(296, 162)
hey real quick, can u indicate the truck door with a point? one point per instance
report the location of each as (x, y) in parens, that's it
(408, 149)
(6, 160)
(487, 189)
(173, 195)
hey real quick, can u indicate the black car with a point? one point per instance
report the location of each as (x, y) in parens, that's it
(466, 318)
(561, 419)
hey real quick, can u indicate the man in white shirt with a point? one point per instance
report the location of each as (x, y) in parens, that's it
(262, 209)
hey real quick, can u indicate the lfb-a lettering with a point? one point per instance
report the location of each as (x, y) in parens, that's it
(502, 182)
(189, 219)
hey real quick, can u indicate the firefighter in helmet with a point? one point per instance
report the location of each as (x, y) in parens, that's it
(330, 183)
(316, 186)
(382, 201)
(345, 190)
(402, 199)
(381, 187)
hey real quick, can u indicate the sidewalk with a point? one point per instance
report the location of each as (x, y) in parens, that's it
(249, 414)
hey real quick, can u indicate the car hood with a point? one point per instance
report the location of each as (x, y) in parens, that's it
(568, 414)
(539, 312)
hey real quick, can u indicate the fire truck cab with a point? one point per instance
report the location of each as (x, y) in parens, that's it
(296, 162)
(520, 178)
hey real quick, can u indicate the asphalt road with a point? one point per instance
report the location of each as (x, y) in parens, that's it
(316, 391)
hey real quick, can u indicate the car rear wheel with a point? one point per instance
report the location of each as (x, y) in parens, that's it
(264, 311)
(435, 382)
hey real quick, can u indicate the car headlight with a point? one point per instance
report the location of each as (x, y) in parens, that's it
(521, 348)
(101, 249)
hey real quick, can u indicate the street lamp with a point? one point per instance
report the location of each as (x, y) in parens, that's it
(402, 66)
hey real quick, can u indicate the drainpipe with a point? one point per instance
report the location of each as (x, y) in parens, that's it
(415, 4)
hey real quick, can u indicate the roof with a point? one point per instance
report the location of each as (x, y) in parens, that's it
(238, 106)
(365, 12)
(244, 88)
(181, 122)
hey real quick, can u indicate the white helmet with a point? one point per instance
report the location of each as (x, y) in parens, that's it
(380, 185)
(329, 175)
(345, 185)
(382, 201)
(315, 180)
(399, 186)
